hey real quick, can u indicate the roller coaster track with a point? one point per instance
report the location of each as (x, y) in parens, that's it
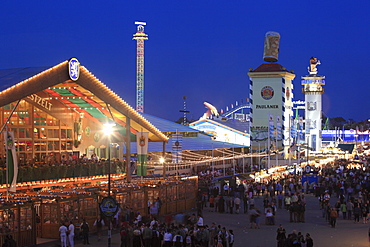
(233, 110)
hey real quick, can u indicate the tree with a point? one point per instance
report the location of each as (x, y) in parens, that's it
(338, 122)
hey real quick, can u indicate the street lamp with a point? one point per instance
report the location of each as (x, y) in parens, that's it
(108, 130)
(161, 161)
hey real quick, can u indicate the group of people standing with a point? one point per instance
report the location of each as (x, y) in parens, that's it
(67, 233)
(293, 239)
(192, 233)
(350, 187)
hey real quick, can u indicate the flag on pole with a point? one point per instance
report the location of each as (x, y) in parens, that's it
(176, 148)
(293, 128)
(142, 152)
(300, 121)
(271, 126)
(12, 164)
(278, 128)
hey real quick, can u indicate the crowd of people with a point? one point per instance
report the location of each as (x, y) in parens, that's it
(350, 186)
(191, 232)
(282, 193)
(293, 239)
(351, 189)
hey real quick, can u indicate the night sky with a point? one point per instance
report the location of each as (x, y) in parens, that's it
(199, 49)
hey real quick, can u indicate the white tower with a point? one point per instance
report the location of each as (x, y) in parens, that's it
(313, 90)
(271, 94)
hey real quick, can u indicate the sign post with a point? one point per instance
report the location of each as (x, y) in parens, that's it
(109, 207)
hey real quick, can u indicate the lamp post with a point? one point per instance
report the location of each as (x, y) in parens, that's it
(161, 161)
(108, 130)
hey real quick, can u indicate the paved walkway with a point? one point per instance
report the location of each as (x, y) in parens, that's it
(346, 234)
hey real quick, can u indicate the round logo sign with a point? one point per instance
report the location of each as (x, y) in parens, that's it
(96, 137)
(308, 169)
(267, 92)
(109, 206)
(74, 69)
(87, 131)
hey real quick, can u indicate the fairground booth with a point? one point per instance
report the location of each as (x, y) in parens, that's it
(63, 111)
(58, 118)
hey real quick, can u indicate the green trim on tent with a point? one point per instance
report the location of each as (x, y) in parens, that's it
(63, 92)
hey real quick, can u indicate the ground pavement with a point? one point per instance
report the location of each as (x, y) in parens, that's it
(346, 233)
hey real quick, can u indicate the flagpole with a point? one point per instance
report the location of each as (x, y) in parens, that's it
(259, 158)
(7, 162)
(299, 145)
(251, 150)
(277, 148)
(290, 140)
(268, 149)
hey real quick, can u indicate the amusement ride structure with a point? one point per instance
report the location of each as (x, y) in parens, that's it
(140, 37)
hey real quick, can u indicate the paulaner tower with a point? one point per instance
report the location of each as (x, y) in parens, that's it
(313, 90)
(271, 93)
(140, 37)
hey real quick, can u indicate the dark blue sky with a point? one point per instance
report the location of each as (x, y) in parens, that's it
(199, 49)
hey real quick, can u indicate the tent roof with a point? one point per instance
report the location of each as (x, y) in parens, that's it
(166, 125)
(202, 141)
(87, 96)
(230, 124)
(346, 147)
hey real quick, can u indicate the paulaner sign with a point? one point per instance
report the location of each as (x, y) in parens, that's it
(40, 101)
(267, 106)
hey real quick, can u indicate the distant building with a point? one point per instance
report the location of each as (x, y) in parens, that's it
(225, 130)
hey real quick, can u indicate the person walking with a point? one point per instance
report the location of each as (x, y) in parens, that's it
(63, 235)
(231, 205)
(147, 235)
(231, 238)
(365, 212)
(287, 201)
(99, 224)
(124, 234)
(245, 202)
(356, 213)
(211, 203)
(309, 240)
(349, 205)
(167, 238)
(333, 217)
(343, 209)
(280, 198)
(85, 232)
(280, 237)
(71, 234)
(252, 217)
(237, 204)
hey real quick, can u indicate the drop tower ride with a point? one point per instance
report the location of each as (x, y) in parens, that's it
(140, 37)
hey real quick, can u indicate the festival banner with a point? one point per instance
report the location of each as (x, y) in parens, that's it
(176, 148)
(142, 152)
(278, 128)
(293, 128)
(271, 126)
(300, 122)
(12, 165)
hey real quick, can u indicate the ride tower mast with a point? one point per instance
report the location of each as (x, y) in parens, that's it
(140, 37)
